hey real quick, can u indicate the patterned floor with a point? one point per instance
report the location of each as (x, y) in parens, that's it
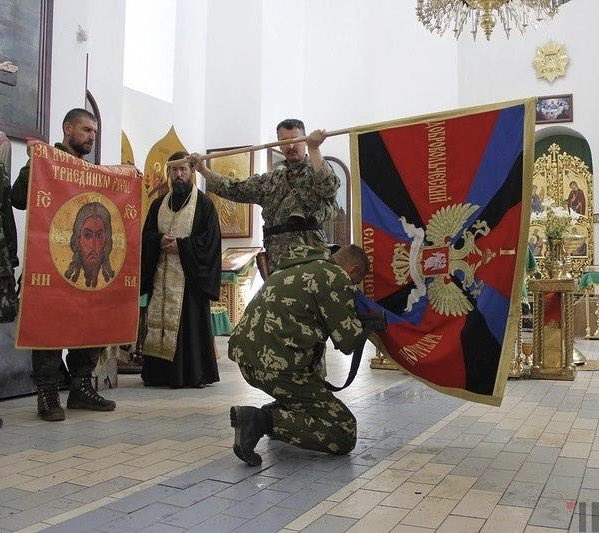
(162, 462)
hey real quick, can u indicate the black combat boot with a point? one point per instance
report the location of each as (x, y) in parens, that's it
(250, 424)
(48, 401)
(84, 396)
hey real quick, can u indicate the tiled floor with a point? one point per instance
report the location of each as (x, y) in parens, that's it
(162, 462)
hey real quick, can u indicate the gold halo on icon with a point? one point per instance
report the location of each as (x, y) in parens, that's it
(61, 230)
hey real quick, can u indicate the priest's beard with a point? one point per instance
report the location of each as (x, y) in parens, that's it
(181, 192)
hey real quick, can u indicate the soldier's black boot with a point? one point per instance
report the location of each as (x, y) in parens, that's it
(48, 401)
(250, 424)
(84, 396)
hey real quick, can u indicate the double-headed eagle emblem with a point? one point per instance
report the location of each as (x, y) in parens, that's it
(442, 260)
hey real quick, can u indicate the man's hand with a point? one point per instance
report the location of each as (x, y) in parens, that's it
(198, 162)
(168, 244)
(315, 139)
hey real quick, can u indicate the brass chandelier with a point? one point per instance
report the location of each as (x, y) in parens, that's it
(440, 15)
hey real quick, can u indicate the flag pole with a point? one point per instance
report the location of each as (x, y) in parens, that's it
(257, 147)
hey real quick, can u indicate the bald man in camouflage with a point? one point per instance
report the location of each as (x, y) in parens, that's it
(278, 345)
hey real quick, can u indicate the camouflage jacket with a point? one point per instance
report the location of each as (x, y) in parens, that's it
(308, 300)
(290, 190)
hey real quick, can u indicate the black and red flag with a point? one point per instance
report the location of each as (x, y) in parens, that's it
(444, 209)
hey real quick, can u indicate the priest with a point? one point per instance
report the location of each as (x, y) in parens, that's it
(181, 267)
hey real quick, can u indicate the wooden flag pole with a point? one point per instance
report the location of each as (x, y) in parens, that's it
(257, 147)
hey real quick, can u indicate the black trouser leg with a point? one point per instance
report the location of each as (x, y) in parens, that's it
(82, 361)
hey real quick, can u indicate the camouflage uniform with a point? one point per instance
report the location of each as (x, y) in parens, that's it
(277, 345)
(290, 191)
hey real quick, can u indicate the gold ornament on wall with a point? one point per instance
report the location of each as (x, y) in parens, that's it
(551, 61)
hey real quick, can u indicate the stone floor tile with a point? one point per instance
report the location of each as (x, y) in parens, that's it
(408, 495)
(453, 487)
(537, 529)
(543, 454)
(413, 461)
(576, 449)
(358, 504)
(140, 519)
(534, 472)
(380, 519)
(508, 461)
(477, 503)
(550, 512)
(451, 455)
(569, 467)
(402, 528)
(310, 516)
(431, 473)
(562, 487)
(521, 494)
(330, 524)
(196, 493)
(487, 449)
(472, 466)
(591, 479)
(461, 524)
(494, 480)
(554, 440)
(430, 512)
(505, 518)
(389, 480)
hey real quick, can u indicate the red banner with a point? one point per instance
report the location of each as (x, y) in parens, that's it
(80, 284)
(442, 208)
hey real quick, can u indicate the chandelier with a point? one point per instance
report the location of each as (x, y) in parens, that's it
(440, 15)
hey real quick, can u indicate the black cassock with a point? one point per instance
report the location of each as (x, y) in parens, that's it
(194, 363)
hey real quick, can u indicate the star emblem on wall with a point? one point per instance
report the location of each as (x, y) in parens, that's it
(551, 61)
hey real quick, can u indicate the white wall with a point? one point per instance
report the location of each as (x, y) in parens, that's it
(105, 76)
(372, 61)
(503, 69)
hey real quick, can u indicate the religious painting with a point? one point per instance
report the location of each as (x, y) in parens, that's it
(87, 241)
(537, 240)
(562, 183)
(25, 60)
(155, 182)
(235, 259)
(274, 158)
(235, 218)
(575, 191)
(578, 242)
(338, 229)
(558, 108)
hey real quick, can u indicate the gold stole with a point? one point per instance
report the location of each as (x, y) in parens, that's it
(164, 311)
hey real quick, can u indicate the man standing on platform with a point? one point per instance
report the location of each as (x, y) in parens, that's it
(296, 197)
(79, 133)
(278, 345)
(181, 268)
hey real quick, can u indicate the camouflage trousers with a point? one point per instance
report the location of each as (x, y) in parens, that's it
(307, 414)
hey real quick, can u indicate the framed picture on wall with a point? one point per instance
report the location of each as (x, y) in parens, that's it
(25, 59)
(274, 158)
(557, 108)
(235, 219)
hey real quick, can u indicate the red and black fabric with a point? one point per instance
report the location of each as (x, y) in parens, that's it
(453, 341)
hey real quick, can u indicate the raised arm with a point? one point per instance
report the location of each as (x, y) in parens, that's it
(249, 191)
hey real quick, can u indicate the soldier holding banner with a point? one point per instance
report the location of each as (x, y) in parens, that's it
(79, 132)
(296, 197)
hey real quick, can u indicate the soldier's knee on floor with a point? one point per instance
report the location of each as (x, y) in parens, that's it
(343, 439)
